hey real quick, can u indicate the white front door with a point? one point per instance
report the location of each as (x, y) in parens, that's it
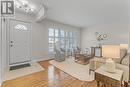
(19, 42)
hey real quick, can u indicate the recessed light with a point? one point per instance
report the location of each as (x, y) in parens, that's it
(23, 4)
(32, 9)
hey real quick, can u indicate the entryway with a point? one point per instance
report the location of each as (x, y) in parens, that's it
(19, 41)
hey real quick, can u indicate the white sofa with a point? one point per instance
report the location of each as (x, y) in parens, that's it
(121, 63)
(124, 65)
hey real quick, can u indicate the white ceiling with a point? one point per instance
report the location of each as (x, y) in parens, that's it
(84, 13)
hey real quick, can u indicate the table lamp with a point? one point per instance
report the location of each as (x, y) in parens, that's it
(109, 52)
(124, 46)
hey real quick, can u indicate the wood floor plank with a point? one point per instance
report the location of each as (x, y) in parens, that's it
(50, 77)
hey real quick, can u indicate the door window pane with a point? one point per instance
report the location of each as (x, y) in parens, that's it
(20, 27)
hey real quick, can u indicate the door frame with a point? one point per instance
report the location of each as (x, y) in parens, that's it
(1, 51)
(8, 42)
(3, 38)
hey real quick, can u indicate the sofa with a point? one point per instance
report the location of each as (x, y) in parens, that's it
(121, 63)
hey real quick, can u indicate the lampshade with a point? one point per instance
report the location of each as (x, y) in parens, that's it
(111, 51)
(124, 46)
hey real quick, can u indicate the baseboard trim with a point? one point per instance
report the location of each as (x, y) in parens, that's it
(38, 60)
(1, 83)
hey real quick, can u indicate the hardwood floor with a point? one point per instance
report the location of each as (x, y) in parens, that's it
(50, 77)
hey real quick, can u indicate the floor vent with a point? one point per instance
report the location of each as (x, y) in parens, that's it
(19, 66)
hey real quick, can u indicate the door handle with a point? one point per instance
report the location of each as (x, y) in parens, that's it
(11, 45)
(11, 41)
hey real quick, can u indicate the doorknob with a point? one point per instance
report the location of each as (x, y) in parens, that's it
(11, 45)
(11, 41)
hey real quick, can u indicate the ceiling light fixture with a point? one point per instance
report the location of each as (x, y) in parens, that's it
(23, 4)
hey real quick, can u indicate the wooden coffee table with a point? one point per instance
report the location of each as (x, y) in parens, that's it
(82, 58)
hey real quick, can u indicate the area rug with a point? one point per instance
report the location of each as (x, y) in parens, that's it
(13, 74)
(74, 69)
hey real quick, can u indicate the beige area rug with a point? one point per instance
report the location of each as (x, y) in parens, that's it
(74, 69)
(35, 67)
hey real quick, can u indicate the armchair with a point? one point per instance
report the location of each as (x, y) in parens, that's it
(59, 53)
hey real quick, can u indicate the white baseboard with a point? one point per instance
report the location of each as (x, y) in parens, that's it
(1, 82)
(43, 59)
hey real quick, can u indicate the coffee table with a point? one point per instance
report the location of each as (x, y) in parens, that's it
(82, 58)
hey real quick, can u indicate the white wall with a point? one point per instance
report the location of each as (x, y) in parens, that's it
(40, 35)
(117, 34)
(0, 52)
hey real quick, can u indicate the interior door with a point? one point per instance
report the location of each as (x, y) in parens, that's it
(19, 42)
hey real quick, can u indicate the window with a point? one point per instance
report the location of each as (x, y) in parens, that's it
(66, 40)
(20, 27)
(51, 32)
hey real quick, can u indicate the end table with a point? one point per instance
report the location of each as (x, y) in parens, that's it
(109, 79)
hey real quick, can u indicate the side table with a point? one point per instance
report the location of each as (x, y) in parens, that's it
(108, 79)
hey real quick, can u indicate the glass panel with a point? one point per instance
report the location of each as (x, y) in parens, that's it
(56, 32)
(71, 41)
(66, 40)
(74, 43)
(51, 32)
(62, 33)
(62, 46)
(67, 44)
(51, 47)
(56, 40)
(51, 40)
(70, 34)
(62, 41)
(71, 46)
(74, 35)
(67, 34)
(20, 27)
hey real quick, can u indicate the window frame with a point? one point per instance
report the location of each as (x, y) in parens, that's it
(67, 39)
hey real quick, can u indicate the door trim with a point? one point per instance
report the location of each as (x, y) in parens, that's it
(8, 42)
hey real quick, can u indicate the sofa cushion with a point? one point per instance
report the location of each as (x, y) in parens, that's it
(123, 53)
(125, 60)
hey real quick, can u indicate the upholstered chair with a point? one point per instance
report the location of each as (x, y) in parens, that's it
(59, 53)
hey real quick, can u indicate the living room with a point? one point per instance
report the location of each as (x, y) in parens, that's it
(63, 43)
